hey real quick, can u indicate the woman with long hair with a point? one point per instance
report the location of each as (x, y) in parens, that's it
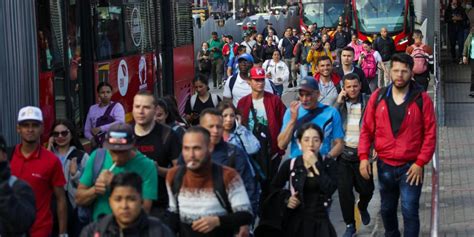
(202, 99)
(234, 132)
(312, 182)
(64, 143)
(167, 114)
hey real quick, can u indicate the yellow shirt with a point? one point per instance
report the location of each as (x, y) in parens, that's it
(313, 57)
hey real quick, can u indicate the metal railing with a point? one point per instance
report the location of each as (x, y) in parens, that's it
(437, 98)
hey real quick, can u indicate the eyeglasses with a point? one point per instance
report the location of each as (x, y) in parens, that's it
(62, 133)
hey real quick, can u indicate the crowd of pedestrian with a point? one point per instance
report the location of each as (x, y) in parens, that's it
(220, 169)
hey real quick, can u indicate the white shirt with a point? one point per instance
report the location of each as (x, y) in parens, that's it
(377, 56)
(279, 71)
(248, 46)
(241, 88)
(260, 113)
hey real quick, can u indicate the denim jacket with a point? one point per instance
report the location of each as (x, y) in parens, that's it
(244, 139)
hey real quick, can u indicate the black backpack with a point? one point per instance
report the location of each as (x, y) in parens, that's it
(263, 156)
(106, 118)
(217, 180)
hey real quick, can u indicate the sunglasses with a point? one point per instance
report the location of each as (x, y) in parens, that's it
(62, 133)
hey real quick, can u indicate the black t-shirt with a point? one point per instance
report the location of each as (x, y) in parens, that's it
(397, 113)
(163, 152)
(199, 106)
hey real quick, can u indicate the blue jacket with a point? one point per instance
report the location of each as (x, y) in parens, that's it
(244, 139)
(221, 155)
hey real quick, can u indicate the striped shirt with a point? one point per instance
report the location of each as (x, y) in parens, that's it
(352, 124)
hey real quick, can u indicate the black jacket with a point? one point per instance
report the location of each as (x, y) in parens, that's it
(145, 226)
(327, 174)
(17, 204)
(365, 84)
(456, 25)
(386, 47)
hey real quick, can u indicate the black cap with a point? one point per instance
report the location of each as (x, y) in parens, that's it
(120, 137)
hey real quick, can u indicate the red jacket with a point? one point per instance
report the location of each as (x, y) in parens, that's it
(226, 49)
(275, 110)
(416, 139)
(335, 78)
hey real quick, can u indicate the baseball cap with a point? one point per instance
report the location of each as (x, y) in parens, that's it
(257, 73)
(30, 113)
(246, 57)
(120, 137)
(308, 83)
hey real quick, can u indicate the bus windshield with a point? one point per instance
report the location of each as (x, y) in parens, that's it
(375, 14)
(323, 12)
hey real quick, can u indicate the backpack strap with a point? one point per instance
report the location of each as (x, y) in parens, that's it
(109, 108)
(98, 163)
(219, 187)
(193, 101)
(232, 154)
(292, 165)
(232, 83)
(380, 96)
(176, 185)
(215, 99)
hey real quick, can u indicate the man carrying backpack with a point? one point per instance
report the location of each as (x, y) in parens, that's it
(206, 199)
(422, 55)
(399, 121)
(262, 113)
(370, 60)
(236, 86)
(118, 155)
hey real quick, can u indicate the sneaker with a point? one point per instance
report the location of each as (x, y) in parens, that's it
(350, 231)
(471, 94)
(290, 85)
(364, 215)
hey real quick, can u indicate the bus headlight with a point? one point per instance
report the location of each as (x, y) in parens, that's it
(403, 41)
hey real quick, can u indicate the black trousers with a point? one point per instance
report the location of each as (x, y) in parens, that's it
(349, 178)
(423, 79)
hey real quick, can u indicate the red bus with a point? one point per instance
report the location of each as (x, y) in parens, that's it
(398, 16)
(325, 13)
(82, 43)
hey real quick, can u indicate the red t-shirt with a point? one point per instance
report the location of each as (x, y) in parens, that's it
(42, 170)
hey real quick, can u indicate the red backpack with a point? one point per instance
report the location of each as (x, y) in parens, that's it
(369, 65)
(420, 59)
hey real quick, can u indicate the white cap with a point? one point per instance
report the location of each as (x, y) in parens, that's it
(30, 113)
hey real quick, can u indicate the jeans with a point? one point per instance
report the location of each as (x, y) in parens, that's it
(382, 82)
(392, 180)
(349, 178)
(290, 63)
(372, 84)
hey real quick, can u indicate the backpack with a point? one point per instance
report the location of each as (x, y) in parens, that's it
(214, 99)
(217, 181)
(76, 153)
(106, 118)
(85, 212)
(420, 59)
(369, 65)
